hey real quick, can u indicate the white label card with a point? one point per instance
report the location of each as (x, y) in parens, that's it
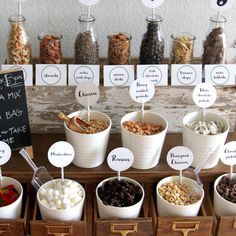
(5, 153)
(61, 154)
(186, 74)
(228, 155)
(120, 159)
(142, 90)
(204, 95)
(157, 74)
(89, 2)
(118, 75)
(27, 71)
(152, 3)
(222, 5)
(82, 73)
(179, 158)
(220, 74)
(87, 94)
(51, 74)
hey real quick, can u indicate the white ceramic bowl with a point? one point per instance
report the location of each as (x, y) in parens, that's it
(90, 149)
(200, 144)
(222, 206)
(12, 211)
(165, 208)
(108, 212)
(70, 214)
(146, 148)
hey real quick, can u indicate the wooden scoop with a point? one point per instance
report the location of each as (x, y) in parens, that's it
(74, 123)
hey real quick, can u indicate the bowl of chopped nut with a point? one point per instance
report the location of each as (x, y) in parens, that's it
(144, 136)
(178, 199)
(88, 136)
(205, 136)
(119, 198)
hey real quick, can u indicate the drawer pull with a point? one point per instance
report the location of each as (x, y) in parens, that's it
(59, 230)
(124, 229)
(4, 228)
(185, 227)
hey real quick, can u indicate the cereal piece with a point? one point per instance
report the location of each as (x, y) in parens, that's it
(141, 128)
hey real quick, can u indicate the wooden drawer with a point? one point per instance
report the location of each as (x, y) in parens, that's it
(203, 224)
(141, 226)
(39, 227)
(17, 227)
(227, 226)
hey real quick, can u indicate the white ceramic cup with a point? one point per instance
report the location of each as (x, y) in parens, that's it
(146, 148)
(165, 208)
(222, 206)
(12, 211)
(201, 144)
(90, 149)
(109, 212)
(70, 214)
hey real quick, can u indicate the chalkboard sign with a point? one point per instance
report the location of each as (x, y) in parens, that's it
(14, 121)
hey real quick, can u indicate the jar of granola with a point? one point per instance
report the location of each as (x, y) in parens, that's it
(18, 45)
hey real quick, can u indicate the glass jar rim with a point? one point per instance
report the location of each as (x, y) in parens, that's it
(87, 18)
(154, 18)
(51, 33)
(182, 34)
(129, 37)
(16, 18)
(218, 19)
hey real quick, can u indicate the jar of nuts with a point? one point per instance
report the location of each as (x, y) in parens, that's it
(215, 43)
(182, 48)
(50, 48)
(152, 46)
(119, 49)
(18, 45)
(86, 44)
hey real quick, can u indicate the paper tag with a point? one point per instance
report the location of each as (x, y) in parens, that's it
(51, 74)
(157, 74)
(5, 153)
(222, 5)
(27, 71)
(61, 154)
(89, 2)
(228, 155)
(87, 94)
(152, 3)
(120, 159)
(142, 90)
(179, 158)
(220, 74)
(186, 75)
(120, 75)
(204, 95)
(82, 73)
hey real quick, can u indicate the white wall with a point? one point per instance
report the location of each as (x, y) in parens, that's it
(112, 16)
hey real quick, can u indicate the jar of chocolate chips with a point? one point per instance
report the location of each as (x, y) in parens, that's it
(152, 46)
(86, 44)
(215, 43)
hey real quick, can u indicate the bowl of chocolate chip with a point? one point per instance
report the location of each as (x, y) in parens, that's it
(178, 199)
(225, 195)
(205, 136)
(144, 135)
(119, 198)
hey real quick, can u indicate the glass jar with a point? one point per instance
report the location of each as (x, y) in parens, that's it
(215, 44)
(86, 44)
(50, 48)
(119, 49)
(182, 48)
(18, 45)
(152, 46)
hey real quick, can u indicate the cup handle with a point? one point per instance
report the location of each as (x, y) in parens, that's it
(124, 229)
(185, 227)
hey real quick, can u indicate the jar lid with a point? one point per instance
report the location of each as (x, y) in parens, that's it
(87, 18)
(16, 18)
(154, 18)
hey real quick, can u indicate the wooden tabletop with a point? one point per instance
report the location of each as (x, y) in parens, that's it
(19, 169)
